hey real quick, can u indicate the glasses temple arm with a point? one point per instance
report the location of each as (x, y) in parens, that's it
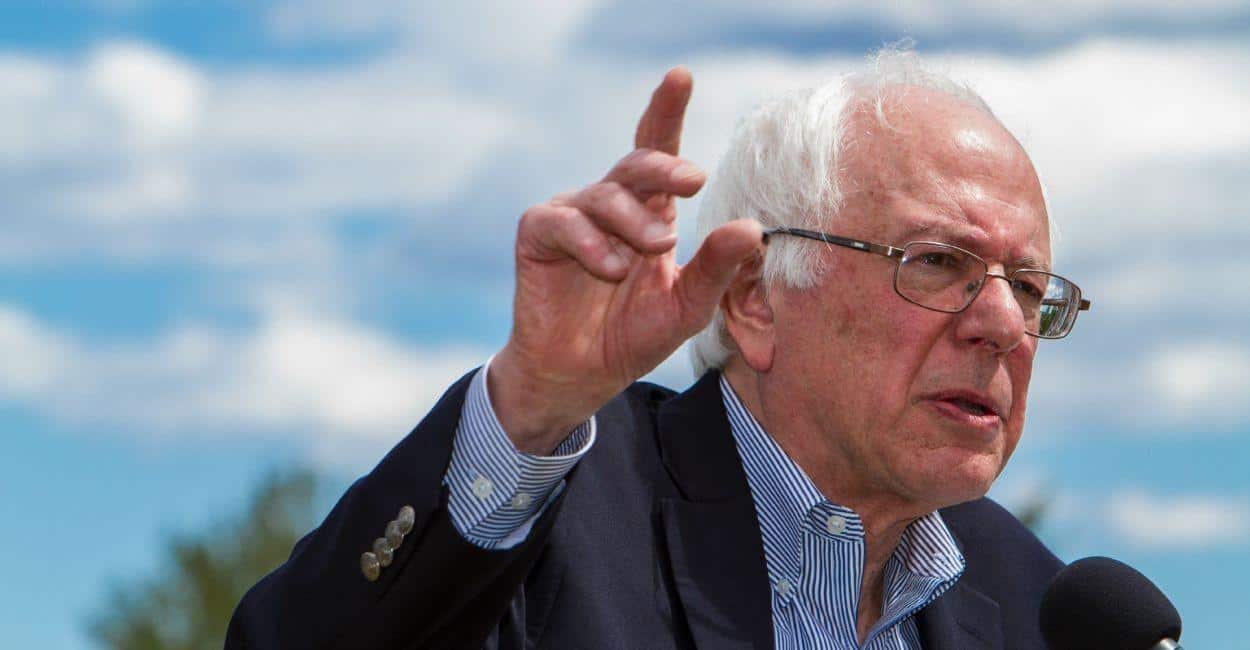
(868, 247)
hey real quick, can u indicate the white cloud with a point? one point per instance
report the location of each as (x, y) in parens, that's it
(700, 25)
(153, 93)
(1116, 127)
(33, 359)
(1078, 521)
(252, 167)
(1177, 522)
(1191, 386)
(644, 22)
(131, 137)
(1212, 285)
(498, 33)
(347, 391)
(1024, 16)
(326, 20)
(1196, 379)
(1130, 137)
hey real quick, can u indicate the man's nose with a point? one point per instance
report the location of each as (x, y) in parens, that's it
(994, 319)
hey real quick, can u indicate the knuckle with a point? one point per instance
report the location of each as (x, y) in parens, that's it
(610, 189)
(644, 154)
(631, 159)
(605, 196)
(545, 217)
(532, 216)
(654, 159)
(641, 161)
(564, 198)
(588, 244)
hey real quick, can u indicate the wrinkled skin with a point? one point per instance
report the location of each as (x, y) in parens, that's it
(844, 367)
(844, 374)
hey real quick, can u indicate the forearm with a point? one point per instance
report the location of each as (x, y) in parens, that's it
(442, 579)
(321, 598)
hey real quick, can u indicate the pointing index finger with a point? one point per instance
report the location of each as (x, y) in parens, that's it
(660, 126)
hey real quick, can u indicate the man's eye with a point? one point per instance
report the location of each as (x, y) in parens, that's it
(943, 260)
(1029, 289)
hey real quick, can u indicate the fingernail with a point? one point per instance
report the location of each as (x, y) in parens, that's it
(686, 172)
(657, 231)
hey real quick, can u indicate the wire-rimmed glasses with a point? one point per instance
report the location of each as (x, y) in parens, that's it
(947, 278)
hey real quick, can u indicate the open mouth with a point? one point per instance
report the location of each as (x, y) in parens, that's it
(968, 406)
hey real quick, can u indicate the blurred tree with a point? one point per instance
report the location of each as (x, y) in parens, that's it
(188, 604)
(1032, 512)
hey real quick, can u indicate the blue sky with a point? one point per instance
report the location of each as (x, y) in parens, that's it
(239, 235)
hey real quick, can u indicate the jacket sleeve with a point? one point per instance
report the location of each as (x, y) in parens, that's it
(439, 589)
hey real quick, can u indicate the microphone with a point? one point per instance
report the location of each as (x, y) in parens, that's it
(1098, 603)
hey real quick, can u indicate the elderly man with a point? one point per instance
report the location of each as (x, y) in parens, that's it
(871, 289)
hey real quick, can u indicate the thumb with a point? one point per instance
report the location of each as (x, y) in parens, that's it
(704, 279)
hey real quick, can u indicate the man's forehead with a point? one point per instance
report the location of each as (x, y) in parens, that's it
(906, 131)
(945, 170)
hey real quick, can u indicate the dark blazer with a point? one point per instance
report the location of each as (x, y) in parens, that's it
(653, 544)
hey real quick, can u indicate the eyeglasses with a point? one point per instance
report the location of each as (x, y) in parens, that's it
(947, 278)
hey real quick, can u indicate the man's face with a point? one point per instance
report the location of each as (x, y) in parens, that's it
(887, 383)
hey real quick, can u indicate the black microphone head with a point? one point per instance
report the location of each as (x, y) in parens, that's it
(1098, 603)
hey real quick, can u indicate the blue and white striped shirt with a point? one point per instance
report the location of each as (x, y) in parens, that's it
(814, 552)
(814, 549)
(495, 492)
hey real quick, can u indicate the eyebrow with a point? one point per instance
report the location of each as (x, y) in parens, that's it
(944, 234)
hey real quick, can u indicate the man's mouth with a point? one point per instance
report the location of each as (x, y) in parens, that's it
(969, 406)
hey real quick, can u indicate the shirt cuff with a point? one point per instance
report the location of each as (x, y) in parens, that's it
(495, 491)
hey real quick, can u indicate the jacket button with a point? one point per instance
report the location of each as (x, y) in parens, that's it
(370, 566)
(385, 552)
(394, 534)
(407, 518)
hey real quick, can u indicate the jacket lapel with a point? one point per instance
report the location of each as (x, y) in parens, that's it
(961, 619)
(712, 533)
(716, 554)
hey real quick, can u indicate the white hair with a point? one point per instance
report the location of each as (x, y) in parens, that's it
(783, 169)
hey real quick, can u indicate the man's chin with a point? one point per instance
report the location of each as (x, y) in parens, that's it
(950, 483)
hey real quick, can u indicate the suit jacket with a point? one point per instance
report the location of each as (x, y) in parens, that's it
(654, 543)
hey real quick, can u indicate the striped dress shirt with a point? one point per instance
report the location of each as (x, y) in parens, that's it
(495, 493)
(814, 552)
(813, 548)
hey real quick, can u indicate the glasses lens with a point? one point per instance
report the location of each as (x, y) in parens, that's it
(1049, 302)
(939, 277)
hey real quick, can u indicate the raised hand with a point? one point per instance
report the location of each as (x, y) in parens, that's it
(600, 299)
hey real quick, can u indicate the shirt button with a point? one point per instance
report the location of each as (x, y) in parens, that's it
(835, 524)
(521, 500)
(483, 487)
(784, 587)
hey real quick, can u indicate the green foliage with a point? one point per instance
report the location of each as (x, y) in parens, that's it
(188, 604)
(1033, 511)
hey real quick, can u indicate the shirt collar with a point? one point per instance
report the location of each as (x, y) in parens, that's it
(786, 500)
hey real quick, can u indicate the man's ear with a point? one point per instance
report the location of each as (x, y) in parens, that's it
(748, 316)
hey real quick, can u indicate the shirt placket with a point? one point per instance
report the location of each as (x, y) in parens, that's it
(833, 555)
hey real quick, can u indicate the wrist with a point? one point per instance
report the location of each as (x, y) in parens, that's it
(536, 413)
